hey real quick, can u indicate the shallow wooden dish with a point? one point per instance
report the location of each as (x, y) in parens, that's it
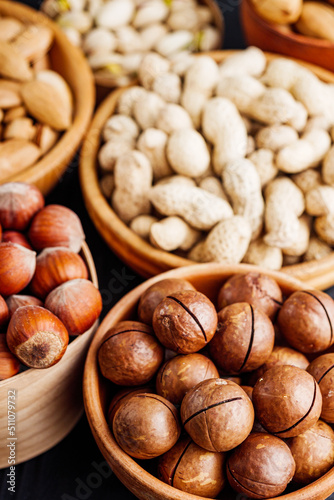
(48, 402)
(71, 64)
(132, 249)
(274, 38)
(207, 278)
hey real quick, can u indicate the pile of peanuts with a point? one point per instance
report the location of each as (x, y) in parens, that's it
(229, 162)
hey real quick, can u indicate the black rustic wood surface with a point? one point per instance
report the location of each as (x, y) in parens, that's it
(75, 468)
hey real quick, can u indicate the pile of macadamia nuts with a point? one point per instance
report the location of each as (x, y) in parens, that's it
(227, 397)
(229, 162)
(115, 35)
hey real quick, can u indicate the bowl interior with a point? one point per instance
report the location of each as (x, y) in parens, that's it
(72, 65)
(207, 278)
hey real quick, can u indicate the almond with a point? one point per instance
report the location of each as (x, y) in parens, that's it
(45, 137)
(13, 113)
(9, 94)
(42, 63)
(59, 84)
(278, 11)
(20, 128)
(47, 104)
(16, 155)
(10, 28)
(12, 64)
(317, 20)
(34, 42)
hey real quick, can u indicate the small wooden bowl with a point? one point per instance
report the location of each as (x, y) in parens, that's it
(69, 62)
(207, 278)
(139, 254)
(48, 403)
(275, 38)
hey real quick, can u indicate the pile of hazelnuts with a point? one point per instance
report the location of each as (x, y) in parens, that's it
(45, 293)
(227, 397)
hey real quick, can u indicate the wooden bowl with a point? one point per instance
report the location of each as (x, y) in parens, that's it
(139, 254)
(48, 402)
(274, 38)
(207, 278)
(69, 62)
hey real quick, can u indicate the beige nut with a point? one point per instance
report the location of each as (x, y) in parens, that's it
(152, 142)
(168, 87)
(260, 254)
(320, 201)
(187, 152)
(214, 186)
(146, 110)
(151, 67)
(128, 98)
(173, 117)
(308, 179)
(152, 11)
(114, 14)
(324, 227)
(251, 61)
(317, 249)
(299, 247)
(264, 162)
(99, 40)
(177, 179)
(141, 225)
(241, 90)
(174, 42)
(120, 127)
(173, 233)
(20, 128)
(151, 35)
(276, 137)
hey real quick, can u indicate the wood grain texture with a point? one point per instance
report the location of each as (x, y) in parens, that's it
(68, 61)
(271, 37)
(48, 402)
(128, 246)
(207, 278)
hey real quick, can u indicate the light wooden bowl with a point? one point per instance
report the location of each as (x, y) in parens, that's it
(207, 278)
(71, 64)
(274, 38)
(139, 254)
(48, 402)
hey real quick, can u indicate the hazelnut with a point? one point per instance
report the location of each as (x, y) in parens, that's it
(122, 396)
(322, 369)
(146, 426)
(56, 226)
(217, 414)
(257, 289)
(182, 373)
(77, 303)
(313, 452)
(185, 321)
(306, 321)
(16, 237)
(287, 401)
(261, 467)
(36, 337)
(55, 266)
(9, 364)
(19, 202)
(156, 293)
(244, 339)
(4, 313)
(190, 468)
(130, 354)
(16, 301)
(17, 267)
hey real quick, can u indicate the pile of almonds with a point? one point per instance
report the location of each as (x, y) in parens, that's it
(43, 298)
(235, 391)
(36, 103)
(116, 34)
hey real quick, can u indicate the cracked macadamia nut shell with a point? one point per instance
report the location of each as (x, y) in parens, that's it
(156, 293)
(190, 468)
(181, 373)
(130, 354)
(261, 467)
(287, 401)
(313, 452)
(185, 321)
(306, 321)
(244, 338)
(322, 369)
(217, 414)
(257, 289)
(146, 426)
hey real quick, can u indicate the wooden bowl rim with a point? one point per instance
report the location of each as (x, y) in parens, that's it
(68, 143)
(108, 446)
(293, 37)
(31, 372)
(146, 259)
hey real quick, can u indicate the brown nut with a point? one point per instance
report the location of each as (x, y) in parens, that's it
(287, 401)
(190, 468)
(146, 426)
(257, 427)
(244, 338)
(19, 202)
(16, 237)
(182, 373)
(16, 301)
(17, 267)
(156, 293)
(322, 369)
(306, 320)
(261, 467)
(130, 354)
(313, 452)
(185, 321)
(217, 414)
(257, 289)
(122, 396)
(9, 364)
(4, 313)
